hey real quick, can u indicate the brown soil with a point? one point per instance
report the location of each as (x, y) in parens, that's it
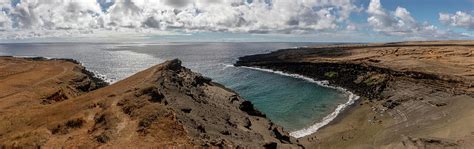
(56, 104)
(415, 94)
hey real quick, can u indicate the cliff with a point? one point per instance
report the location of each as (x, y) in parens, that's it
(56, 104)
(415, 94)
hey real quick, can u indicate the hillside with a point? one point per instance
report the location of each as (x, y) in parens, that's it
(58, 104)
(415, 94)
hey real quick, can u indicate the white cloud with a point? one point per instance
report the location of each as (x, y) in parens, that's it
(460, 19)
(56, 18)
(255, 16)
(53, 15)
(5, 22)
(401, 23)
(352, 27)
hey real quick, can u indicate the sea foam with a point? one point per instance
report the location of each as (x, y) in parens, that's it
(226, 66)
(327, 119)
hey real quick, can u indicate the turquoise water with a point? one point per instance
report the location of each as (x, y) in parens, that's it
(290, 102)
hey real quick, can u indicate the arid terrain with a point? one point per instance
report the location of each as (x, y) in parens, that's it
(414, 94)
(58, 104)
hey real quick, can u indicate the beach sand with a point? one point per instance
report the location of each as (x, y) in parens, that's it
(414, 94)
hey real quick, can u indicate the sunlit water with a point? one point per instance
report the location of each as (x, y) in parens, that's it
(293, 103)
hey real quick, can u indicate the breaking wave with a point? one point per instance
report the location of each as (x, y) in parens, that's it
(327, 119)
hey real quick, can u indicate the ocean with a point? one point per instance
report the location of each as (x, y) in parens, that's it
(298, 104)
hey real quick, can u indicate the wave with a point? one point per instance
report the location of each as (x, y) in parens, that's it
(226, 66)
(327, 119)
(299, 47)
(103, 77)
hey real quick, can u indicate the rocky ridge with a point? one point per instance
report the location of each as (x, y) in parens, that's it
(164, 106)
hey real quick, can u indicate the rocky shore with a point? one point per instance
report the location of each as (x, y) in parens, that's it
(55, 103)
(415, 94)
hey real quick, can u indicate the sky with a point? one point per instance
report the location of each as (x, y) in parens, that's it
(235, 20)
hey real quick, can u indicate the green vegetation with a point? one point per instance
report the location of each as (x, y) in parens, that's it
(330, 74)
(375, 79)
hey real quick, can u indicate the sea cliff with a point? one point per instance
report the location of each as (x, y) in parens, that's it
(56, 103)
(414, 94)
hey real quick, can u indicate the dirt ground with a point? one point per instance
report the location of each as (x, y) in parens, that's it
(56, 104)
(414, 94)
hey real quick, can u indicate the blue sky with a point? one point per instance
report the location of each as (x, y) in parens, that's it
(423, 10)
(428, 10)
(235, 20)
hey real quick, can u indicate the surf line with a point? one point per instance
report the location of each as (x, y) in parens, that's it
(327, 119)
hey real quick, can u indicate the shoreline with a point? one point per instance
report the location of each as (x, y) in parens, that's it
(337, 112)
(164, 105)
(414, 94)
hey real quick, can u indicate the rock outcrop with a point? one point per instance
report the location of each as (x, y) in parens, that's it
(409, 90)
(164, 106)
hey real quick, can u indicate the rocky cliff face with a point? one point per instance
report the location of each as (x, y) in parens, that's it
(164, 106)
(410, 92)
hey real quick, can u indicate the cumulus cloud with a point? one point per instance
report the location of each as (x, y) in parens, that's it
(401, 23)
(5, 22)
(177, 3)
(459, 19)
(51, 18)
(42, 14)
(249, 16)
(398, 22)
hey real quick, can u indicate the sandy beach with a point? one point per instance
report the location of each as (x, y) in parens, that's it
(414, 94)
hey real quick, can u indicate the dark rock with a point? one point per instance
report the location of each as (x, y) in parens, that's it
(225, 133)
(248, 123)
(349, 74)
(102, 138)
(201, 129)
(174, 64)
(374, 60)
(271, 145)
(200, 80)
(186, 110)
(280, 135)
(55, 97)
(234, 99)
(247, 107)
(96, 81)
(152, 91)
(390, 104)
(230, 123)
